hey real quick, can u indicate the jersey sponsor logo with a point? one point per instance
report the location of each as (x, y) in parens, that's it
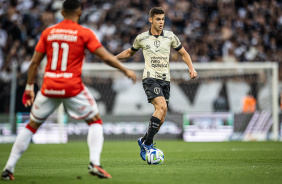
(67, 31)
(158, 65)
(155, 61)
(58, 75)
(54, 92)
(157, 90)
(160, 76)
(154, 57)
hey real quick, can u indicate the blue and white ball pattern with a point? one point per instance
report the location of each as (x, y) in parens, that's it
(154, 156)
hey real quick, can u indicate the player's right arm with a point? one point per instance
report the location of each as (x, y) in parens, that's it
(131, 51)
(126, 54)
(28, 96)
(40, 50)
(114, 62)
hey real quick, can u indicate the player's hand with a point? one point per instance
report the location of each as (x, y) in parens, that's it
(193, 73)
(131, 74)
(28, 98)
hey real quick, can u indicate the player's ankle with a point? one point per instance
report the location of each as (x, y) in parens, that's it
(148, 142)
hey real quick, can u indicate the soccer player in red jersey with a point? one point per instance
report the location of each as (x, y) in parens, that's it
(64, 45)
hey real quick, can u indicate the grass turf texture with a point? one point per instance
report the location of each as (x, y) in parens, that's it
(189, 163)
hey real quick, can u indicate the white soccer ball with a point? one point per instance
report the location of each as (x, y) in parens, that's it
(154, 156)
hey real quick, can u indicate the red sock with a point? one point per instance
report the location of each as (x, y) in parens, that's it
(99, 121)
(30, 128)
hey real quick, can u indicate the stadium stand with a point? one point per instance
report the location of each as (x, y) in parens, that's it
(210, 30)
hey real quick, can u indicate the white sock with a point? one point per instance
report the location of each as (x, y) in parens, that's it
(95, 140)
(20, 145)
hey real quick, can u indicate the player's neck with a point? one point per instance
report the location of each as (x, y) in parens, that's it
(72, 18)
(155, 32)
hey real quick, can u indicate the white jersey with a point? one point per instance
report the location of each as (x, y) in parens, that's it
(156, 51)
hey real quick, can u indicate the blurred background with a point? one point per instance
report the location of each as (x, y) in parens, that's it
(235, 45)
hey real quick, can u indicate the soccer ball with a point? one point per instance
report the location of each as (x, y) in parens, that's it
(154, 156)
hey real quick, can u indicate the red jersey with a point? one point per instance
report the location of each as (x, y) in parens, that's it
(64, 45)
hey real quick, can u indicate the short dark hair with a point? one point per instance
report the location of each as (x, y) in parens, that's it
(71, 5)
(155, 11)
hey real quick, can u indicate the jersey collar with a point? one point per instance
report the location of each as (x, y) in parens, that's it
(162, 33)
(68, 21)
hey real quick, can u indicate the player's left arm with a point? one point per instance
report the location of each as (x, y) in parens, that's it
(187, 59)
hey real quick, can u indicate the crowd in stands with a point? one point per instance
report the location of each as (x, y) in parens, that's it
(210, 30)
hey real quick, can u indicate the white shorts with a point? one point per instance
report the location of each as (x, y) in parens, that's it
(81, 106)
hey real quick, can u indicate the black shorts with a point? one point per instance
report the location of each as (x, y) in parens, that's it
(156, 87)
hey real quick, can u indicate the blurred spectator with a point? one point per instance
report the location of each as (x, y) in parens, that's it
(214, 29)
(25, 64)
(249, 104)
(280, 100)
(220, 104)
(230, 57)
(211, 30)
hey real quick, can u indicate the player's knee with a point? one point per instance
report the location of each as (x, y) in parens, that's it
(95, 119)
(34, 124)
(162, 108)
(98, 121)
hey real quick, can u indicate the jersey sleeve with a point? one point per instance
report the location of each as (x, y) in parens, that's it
(41, 45)
(92, 43)
(136, 44)
(176, 44)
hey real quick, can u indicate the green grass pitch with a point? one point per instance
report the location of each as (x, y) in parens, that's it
(189, 163)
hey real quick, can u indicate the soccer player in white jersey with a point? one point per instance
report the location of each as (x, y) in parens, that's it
(64, 45)
(155, 44)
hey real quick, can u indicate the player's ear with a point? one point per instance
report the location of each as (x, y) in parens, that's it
(151, 20)
(62, 12)
(79, 13)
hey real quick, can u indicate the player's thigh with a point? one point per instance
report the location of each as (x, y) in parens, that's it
(42, 107)
(81, 106)
(152, 89)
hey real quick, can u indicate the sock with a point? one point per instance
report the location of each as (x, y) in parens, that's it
(152, 130)
(21, 144)
(144, 138)
(95, 141)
